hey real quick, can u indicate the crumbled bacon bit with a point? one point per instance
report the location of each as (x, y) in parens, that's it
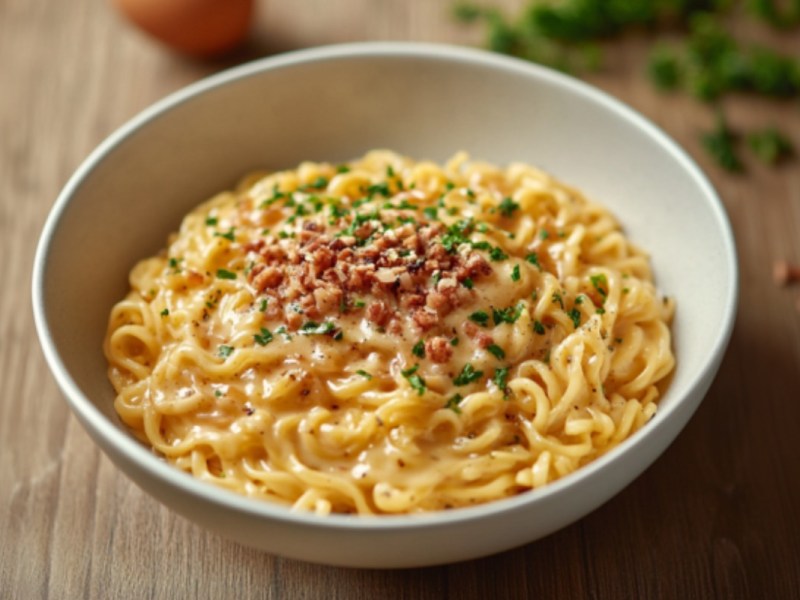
(392, 269)
(439, 349)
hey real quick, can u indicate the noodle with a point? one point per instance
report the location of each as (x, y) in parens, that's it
(390, 336)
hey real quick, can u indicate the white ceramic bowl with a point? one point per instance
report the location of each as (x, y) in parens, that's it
(333, 104)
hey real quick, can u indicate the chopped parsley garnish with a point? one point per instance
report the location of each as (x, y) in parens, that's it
(468, 375)
(225, 274)
(165, 312)
(211, 221)
(575, 315)
(282, 330)
(543, 234)
(480, 317)
(364, 374)
(538, 327)
(515, 275)
(500, 378)
(431, 212)
(359, 304)
(496, 350)
(508, 207)
(468, 283)
(557, 299)
(454, 341)
(263, 306)
(533, 258)
(228, 235)
(600, 310)
(600, 284)
(417, 382)
(579, 299)
(482, 227)
(379, 188)
(342, 169)
(507, 315)
(225, 351)
(497, 254)
(319, 182)
(314, 328)
(263, 338)
(453, 403)
(419, 349)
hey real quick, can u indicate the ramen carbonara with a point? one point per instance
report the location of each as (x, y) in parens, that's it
(389, 336)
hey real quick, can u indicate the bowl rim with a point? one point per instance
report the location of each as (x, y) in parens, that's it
(158, 469)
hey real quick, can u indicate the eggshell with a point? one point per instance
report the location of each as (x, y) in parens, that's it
(194, 27)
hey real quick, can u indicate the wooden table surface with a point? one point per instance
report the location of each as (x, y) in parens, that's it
(715, 516)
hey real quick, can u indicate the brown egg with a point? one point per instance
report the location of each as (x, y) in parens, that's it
(195, 27)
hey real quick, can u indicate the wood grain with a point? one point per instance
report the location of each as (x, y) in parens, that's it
(715, 516)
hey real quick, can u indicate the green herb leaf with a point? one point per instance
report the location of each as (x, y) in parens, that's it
(165, 312)
(225, 351)
(314, 328)
(263, 338)
(500, 378)
(468, 375)
(508, 207)
(533, 258)
(575, 315)
(364, 374)
(211, 221)
(497, 254)
(496, 351)
(225, 274)
(507, 315)
(480, 317)
(228, 235)
(419, 349)
(453, 403)
(538, 327)
(417, 382)
(515, 274)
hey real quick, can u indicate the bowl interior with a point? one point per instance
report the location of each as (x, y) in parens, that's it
(335, 104)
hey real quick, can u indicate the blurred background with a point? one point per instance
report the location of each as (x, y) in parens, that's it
(716, 516)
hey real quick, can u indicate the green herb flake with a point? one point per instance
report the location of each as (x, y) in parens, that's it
(557, 299)
(468, 283)
(544, 234)
(508, 207)
(480, 317)
(500, 378)
(364, 374)
(515, 275)
(507, 315)
(497, 254)
(263, 338)
(314, 328)
(468, 375)
(496, 350)
(575, 315)
(225, 274)
(453, 403)
(419, 349)
(533, 258)
(600, 283)
(454, 341)
(211, 221)
(417, 382)
(228, 235)
(225, 351)
(431, 213)
(538, 327)
(262, 307)
(165, 312)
